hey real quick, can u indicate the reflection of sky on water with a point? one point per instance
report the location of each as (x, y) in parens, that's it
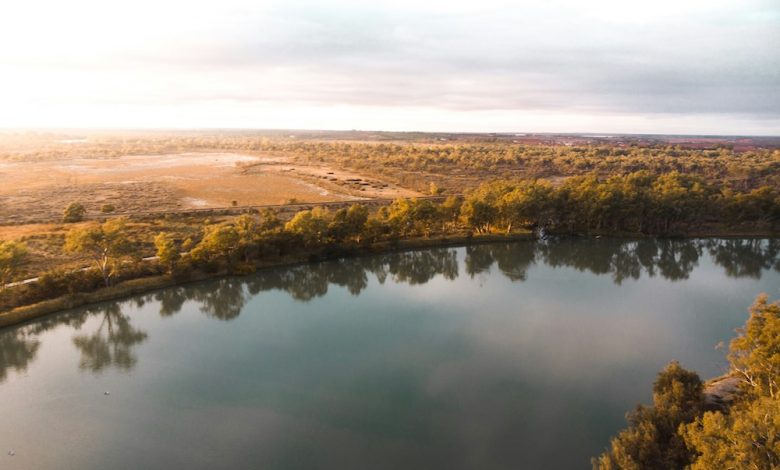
(422, 359)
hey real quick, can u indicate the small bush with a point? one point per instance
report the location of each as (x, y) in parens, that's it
(73, 213)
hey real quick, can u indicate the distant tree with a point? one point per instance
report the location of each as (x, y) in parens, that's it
(12, 256)
(412, 216)
(348, 223)
(679, 198)
(104, 244)
(73, 213)
(311, 225)
(398, 216)
(434, 189)
(357, 216)
(107, 208)
(450, 209)
(478, 214)
(528, 203)
(269, 221)
(375, 229)
(168, 253)
(246, 227)
(759, 205)
(425, 216)
(187, 245)
(220, 243)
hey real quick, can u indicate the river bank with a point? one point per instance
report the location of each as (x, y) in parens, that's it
(151, 283)
(144, 284)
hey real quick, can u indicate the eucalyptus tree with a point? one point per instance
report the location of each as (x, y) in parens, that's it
(104, 244)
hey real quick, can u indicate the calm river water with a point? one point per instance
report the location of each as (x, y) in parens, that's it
(522, 355)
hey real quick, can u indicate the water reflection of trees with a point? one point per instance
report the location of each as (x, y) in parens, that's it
(171, 300)
(111, 343)
(307, 282)
(111, 338)
(671, 259)
(513, 259)
(17, 351)
(222, 299)
(746, 258)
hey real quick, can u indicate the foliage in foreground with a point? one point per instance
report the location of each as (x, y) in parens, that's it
(746, 437)
(678, 431)
(651, 440)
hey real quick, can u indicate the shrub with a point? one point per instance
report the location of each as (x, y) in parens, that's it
(73, 213)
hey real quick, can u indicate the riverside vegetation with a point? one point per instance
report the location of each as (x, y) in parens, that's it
(638, 203)
(680, 430)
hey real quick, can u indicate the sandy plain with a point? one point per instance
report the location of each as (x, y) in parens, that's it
(38, 191)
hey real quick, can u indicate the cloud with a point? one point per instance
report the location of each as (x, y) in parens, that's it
(603, 58)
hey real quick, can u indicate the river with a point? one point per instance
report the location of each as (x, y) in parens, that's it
(508, 355)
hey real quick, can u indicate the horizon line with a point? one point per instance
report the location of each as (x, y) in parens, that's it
(518, 133)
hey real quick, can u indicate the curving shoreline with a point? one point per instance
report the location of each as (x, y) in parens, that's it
(151, 283)
(146, 284)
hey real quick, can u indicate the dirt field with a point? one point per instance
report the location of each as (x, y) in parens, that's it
(40, 190)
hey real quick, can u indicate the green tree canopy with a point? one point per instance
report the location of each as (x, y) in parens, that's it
(348, 223)
(104, 244)
(755, 353)
(74, 213)
(478, 214)
(651, 440)
(746, 437)
(12, 256)
(311, 225)
(220, 242)
(677, 432)
(168, 253)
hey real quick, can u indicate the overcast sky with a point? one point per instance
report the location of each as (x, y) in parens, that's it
(682, 66)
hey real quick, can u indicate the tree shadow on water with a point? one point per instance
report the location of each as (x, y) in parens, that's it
(111, 339)
(17, 351)
(111, 343)
(670, 259)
